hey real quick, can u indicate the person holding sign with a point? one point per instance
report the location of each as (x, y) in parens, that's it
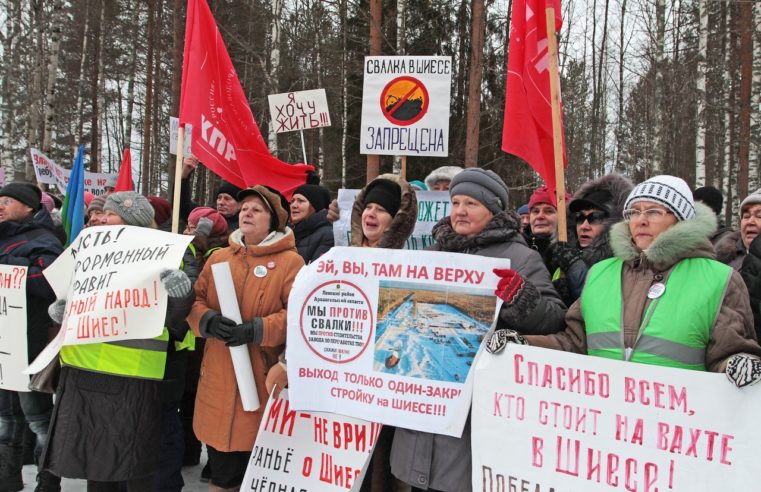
(480, 225)
(264, 263)
(314, 234)
(27, 239)
(106, 425)
(662, 299)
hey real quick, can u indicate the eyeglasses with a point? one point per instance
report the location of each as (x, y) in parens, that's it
(651, 214)
(6, 201)
(593, 218)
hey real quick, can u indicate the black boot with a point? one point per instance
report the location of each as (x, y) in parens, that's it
(47, 482)
(10, 468)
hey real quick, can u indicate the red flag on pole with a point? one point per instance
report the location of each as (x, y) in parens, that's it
(225, 135)
(527, 131)
(124, 181)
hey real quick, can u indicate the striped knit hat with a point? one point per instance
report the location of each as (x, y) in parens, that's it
(669, 191)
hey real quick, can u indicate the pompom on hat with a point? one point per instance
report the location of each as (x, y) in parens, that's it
(669, 191)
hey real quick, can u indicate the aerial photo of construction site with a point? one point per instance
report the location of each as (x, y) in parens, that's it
(429, 332)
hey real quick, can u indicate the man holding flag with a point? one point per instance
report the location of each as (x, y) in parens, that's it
(27, 238)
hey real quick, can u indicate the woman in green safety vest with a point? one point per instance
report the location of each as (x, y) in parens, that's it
(106, 422)
(662, 299)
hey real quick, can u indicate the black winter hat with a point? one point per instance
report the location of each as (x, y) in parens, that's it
(27, 193)
(318, 197)
(385, 193)
(599, 199)
(228, 188)
(711, 197)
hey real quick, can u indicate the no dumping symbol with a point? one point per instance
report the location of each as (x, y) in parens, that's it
(404, 100)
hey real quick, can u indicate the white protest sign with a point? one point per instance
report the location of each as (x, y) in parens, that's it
(549, 420)
(390, 336)
(110, 279)
(302, 110)
(13, 347)
(318, 452)
(174, 133)
(48, 172)
(405, 105)
(432, 207)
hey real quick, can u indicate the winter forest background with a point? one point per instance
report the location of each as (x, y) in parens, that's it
(648, 86)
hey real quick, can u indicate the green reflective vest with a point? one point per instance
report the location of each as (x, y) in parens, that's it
(676, 327)
(143, 359)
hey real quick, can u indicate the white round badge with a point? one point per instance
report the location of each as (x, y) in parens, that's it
(656, 290)
(260, 271)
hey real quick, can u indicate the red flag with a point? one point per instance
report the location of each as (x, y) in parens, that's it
(124, 181)
(226, 137)
(527, 131)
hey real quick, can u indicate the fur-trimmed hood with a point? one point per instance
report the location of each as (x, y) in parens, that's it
(440, 174)
(402, 224)
(685, 239)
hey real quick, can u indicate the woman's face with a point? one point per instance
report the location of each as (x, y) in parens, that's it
(750, 224)
(589, 225)
(649, 221)
(109, 217)
(300, 208)
(375, 221)
(469, 216)
(254, 220)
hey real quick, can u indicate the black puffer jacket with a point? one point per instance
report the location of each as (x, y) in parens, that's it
(751, 274)
(33, 243)
(314, 236)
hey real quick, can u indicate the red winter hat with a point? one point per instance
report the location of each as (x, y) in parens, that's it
(543, 195)
(162, 208)
(219, 224)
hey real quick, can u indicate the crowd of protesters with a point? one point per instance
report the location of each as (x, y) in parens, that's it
(636, 255)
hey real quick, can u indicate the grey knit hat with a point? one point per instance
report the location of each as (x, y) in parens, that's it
(669, 191)
(483, 185)
(132, 207)
(751, 199)
(443, 173)
(111, 181)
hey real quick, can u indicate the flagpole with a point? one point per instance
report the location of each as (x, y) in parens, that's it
(557, 130)
(178, 179)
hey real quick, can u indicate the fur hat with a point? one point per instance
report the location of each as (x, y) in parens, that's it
(751, 199)
(132, 207)
(27, 193)
(219, 224)
(443, 173)
(317, 196)
(385, 193)
(272, 200)
(483, 185)
(669, 191)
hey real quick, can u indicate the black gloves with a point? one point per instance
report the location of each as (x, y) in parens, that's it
(246, 332)
(230, 332)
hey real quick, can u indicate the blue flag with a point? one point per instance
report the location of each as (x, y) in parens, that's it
(73, 208)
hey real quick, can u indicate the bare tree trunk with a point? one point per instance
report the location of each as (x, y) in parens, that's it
(36, 91)
(474, 83)
(700, 136)
(81, 82)
(376, 6)
(319, 164)
(277, 10)
(621, 91)
(128, 124)
(746, 75)
(148, 107)
(754, 155)
(13, 167)
(55, 43)
(660, 62)
(94, 96)
(102, 88)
